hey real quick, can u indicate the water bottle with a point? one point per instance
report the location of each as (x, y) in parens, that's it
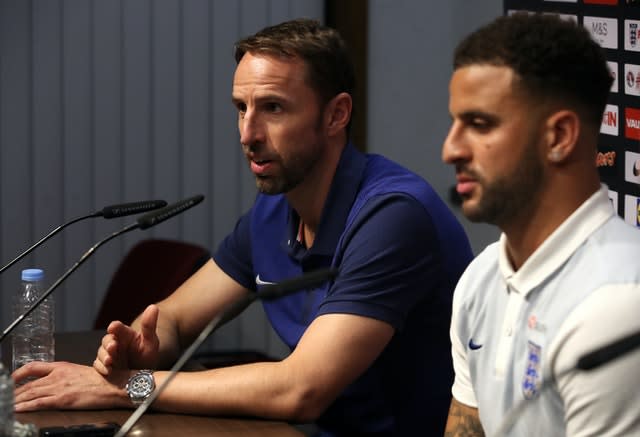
(6, 402)
(33, 338)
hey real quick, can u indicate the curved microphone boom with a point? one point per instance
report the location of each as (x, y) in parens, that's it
(609, 352)
(107, 212)
(143, 222)
(267, 292)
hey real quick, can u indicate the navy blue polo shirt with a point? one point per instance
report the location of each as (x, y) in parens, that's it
(399, 252)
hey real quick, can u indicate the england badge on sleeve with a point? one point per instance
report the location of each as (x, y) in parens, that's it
(532, 377)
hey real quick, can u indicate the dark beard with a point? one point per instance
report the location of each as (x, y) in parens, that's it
(293, 173)
(510, 196)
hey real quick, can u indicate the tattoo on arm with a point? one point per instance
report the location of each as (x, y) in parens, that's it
(463, 421)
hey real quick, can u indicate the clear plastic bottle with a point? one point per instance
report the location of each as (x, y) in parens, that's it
(33, 338)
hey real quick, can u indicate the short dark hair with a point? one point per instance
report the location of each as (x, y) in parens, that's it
(329, 66)
(554, 58)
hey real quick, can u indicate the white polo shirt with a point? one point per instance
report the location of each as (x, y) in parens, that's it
(512, 330)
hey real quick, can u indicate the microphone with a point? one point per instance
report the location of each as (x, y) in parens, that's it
(144, 222)
(107, 212)
(123, 209)
(154, 217)
(267, 292)
(608, 352)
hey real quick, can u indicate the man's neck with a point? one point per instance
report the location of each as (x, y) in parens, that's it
(528, 232)
(308, 198)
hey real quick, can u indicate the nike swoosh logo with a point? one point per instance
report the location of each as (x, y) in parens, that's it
(261, 282)
(474, 346)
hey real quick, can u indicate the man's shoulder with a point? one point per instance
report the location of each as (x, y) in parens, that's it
(618, 234)
(384, 177)
(482, 269)
(381, 168)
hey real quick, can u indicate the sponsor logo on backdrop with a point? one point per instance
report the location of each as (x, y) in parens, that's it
(601, 2)
(632, 210)
(631, 33)
(632, 167)
(606, 163)
(613, 68)
(603, 30)
(632, 123)
(609, 124)
(606, 159)
(613, 197)
(632, 79)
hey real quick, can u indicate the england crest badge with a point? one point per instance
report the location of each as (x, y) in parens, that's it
(532, 377)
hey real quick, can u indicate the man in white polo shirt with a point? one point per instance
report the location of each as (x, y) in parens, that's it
(526, 98)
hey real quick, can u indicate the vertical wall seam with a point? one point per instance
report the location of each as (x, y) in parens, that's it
(210, 128)
(182, 171)
(122, 109)
(62, 309)
(30, 124)
(151, 103)
(93, 134)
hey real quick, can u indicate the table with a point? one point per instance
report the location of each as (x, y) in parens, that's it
(81, 347)
(163, 424)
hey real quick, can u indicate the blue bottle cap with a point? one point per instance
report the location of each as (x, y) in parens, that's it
(32, 275)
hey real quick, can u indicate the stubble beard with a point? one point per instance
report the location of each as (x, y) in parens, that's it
(291, 175)
(295, 168)
(508, 197)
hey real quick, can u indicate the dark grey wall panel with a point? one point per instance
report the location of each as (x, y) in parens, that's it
(109, 101)
(75, 301)
(16, 151)
(417, 38)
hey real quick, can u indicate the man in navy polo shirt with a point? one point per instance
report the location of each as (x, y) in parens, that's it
(370, 349)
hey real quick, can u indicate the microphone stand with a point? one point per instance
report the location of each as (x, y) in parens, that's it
(55, 285)
(211, 326)
(146, 221)
(45, 238)
(269, 292)
(107, 212)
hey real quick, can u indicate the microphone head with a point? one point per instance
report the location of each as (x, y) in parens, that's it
(307, 280)
(130, 208)
(154, 217)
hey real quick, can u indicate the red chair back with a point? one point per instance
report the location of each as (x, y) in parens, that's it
(150, 271)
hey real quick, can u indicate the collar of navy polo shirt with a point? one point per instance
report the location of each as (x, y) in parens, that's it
(342, 194)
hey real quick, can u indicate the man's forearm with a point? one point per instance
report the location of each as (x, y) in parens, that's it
(260, 389)
(463, 421)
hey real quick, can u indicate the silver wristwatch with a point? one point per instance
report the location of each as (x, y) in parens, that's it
(140, 386)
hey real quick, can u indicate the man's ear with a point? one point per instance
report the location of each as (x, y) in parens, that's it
(338, 113)
(562, 133)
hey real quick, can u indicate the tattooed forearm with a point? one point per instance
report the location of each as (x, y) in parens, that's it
(463, 421)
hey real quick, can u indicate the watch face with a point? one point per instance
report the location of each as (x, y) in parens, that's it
(141, 385)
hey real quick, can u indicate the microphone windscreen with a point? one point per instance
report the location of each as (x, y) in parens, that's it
(154, 217)
(131, 208)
